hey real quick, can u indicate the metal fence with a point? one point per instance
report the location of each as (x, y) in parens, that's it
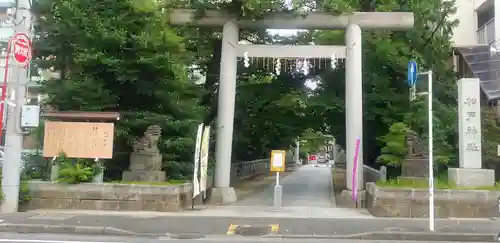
(244, 170)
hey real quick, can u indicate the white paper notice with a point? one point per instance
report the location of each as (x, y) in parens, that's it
(278, 160)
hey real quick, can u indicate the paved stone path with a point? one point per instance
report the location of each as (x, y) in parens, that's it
(308, 186)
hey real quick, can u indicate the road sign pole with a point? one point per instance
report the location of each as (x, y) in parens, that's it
(430, 136)
(431, 153)
(278, 193)
(278, 165)
(412, 80)
(17, 81)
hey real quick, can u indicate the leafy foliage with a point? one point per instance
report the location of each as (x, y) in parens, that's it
(311, 141)
(394, 142)
(120, 56)
(73, 171)
(35, 166)
(24, 191)
(24, 195)
(256, 9)
(490, 137)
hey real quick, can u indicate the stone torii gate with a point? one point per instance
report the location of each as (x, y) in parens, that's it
(222, 192)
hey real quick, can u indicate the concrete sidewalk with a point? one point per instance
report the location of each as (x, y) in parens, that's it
(231, 212)
(158, 224)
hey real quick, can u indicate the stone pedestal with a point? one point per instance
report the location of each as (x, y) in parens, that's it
(144, 176)
(415, 168)
(144, 167)
(145, 161)
(416, 164)
(463, 177)
(222, 195)
(345, 199)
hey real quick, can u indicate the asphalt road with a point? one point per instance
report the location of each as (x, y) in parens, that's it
(308, 186)
(55, 238)
(161, 225)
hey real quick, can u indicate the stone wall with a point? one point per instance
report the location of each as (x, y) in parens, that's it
(414, 203)
(338, 179)
(109, 196)
(130, 197)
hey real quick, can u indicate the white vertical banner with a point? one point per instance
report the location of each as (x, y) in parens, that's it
(204, 158)
(196, 166)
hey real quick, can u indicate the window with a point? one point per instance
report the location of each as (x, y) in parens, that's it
(485, 16)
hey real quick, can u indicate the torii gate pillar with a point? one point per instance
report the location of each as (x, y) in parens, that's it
(222, 193)
(354, 107)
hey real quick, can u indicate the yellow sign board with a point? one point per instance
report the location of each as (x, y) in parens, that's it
(278, 160)
(78, 139)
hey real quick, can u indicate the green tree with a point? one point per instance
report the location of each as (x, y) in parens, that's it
(311, 141)
(490, 138)
(121, 56)
(394, 148)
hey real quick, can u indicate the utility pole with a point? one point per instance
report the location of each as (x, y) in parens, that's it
(16, 86)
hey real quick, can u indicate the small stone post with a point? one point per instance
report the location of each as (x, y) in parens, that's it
(99, 176)
(383, 174)
(54, 169)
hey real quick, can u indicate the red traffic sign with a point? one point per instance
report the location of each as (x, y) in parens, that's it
(22, 49)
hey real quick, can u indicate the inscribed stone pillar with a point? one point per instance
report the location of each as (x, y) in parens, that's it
(470, 173)
(469, 123)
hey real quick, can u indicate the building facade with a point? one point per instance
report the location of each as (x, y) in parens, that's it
(478, 25)
(477, 45)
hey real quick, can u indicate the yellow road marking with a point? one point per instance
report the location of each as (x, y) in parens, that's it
(231, 229)
(274, 228)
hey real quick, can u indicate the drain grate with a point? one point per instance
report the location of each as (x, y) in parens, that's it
(247, 230)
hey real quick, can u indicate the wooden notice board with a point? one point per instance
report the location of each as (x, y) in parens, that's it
(78, 139)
